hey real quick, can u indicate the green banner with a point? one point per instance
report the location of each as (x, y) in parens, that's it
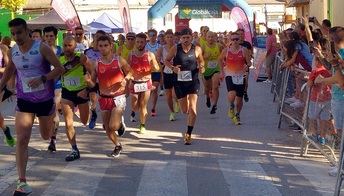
(208, 11)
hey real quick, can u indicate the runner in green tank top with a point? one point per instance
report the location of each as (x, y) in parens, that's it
(211, 52)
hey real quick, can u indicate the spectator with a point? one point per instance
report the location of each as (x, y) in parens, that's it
(271, 51)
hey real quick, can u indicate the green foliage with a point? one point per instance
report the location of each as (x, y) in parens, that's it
(12, 5)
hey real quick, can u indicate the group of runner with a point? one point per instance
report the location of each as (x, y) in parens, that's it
(68, 80)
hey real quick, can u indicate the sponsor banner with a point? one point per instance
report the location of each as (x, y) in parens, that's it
(125, 15)
(66, 10)
(240, 18)
(205, 11)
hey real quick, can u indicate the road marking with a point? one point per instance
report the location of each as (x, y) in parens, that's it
(317, 175)
(166, 178)
(78, 178)
(247, 177)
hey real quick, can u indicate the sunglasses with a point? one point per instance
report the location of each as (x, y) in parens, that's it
(79, 34)
(235, 39)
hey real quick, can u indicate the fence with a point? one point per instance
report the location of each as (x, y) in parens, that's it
(283, 82)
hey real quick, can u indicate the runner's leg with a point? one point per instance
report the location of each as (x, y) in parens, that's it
(23, 127)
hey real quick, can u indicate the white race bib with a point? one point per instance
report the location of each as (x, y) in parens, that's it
(140, 87)
(71, 81)
(168, 70)
(120, 101)
(27, 89)
(184, 76)
(212, 64)
(238, 80)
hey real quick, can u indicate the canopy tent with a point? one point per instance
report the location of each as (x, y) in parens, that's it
(50, 18)
(106, 23)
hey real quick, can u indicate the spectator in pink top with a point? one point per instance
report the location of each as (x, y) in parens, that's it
(271, 48)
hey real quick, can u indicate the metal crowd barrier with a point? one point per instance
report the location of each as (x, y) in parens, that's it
(299, 115)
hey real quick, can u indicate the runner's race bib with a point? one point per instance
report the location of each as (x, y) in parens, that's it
(184, 76)
(238, 80)
(168, 70)
(27, 89)
(140, 87)
(70, 81)
(212, 64)
(120, 101)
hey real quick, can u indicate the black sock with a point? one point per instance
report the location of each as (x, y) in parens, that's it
(94, 112)
(215, 106)
(142, 125)
(237, 114)
(161, 87)
(53, 137)
(232, 105)
(7, 133)
(132, 113)
(190, 128)
(75, 147)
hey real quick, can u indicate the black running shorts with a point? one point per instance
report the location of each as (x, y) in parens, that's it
(169, 79)
(239, 89)
(45, 108)
(73, 97)
(182, 89)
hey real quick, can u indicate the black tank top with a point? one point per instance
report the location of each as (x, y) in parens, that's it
(188, 61)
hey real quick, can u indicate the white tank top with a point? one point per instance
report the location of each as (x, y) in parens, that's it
(152, 48)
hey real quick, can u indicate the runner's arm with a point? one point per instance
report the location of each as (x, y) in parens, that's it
(221, 60)
(91, 77)
(126, 68)
(200, 59)
(4, 51)
(86, 62)
(9, 71)
(248, 56)
(154, 63)
(159, 54)
(171, 54)
(50, 56)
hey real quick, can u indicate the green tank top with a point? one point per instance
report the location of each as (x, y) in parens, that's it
(73, 78)
(125, 52)
(211, 64)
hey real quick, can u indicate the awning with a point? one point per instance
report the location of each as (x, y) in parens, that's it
(50, 18)
(294, 3)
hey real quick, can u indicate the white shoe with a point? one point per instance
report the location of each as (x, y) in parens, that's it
(267, 81)
(333, 171)
(162, 92)
(291, 100)
(297, 104)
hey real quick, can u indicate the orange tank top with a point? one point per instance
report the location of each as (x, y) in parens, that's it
(140, 65)
(235, 62)
(110, 77)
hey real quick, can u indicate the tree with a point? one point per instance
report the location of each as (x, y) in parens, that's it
(12, 5)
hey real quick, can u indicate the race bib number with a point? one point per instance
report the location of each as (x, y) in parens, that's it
(212, 64)
(239, 80)
(120, 101)
(27, 89)
(167, 70)
(71, 81)
(140, 87)
(184, 76)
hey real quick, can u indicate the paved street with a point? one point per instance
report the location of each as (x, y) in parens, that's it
(252, 159)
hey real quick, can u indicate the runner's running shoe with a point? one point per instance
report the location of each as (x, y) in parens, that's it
(246, 99)
(187, 139)
(132, 117)
(213, 110)
(142, 129)
(74, 155)
(93, 120)
(22, 189)
(117, 151)
(52, 146)
(172, 116)
(121, 130)
(208, 102)
(231, 113)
